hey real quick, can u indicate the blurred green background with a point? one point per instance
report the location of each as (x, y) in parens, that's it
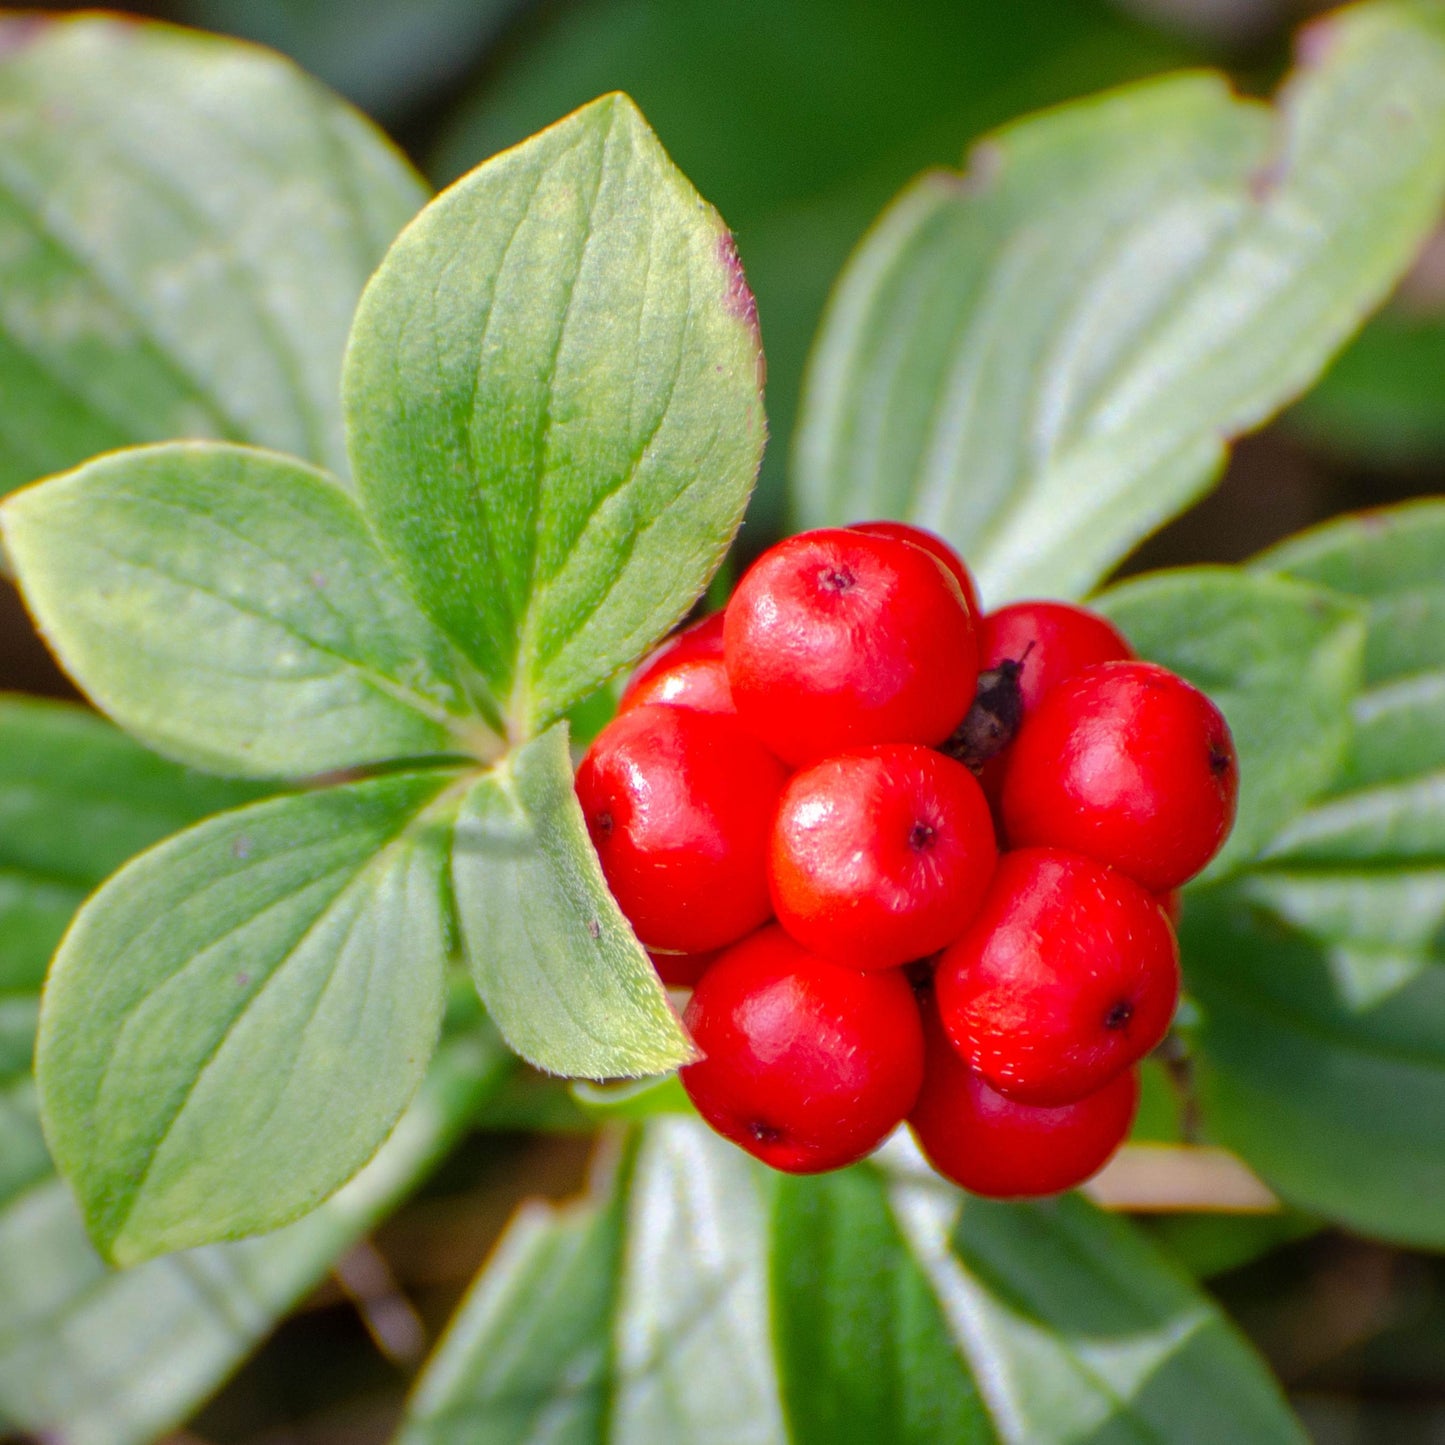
(799, 119)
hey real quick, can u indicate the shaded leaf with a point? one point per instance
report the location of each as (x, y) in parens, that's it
(1042, 359)
(185, 227)
(556, 963)
(230, 608)
(1031, 1324)
(554, 397)
(98, 1357)
(235, 1021)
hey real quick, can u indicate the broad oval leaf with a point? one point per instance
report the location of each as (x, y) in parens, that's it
(234, 1022)
(553, 390)
(230, 608)
(1042, 358)
(96, 1356)
(185, 227)
(554, 960)
(1282, 661)
(77, 798)
(1322, 975)
(1029, 1324)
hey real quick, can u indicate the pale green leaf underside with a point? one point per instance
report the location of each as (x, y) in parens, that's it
(557, 965)
(1324, 988)
(1044, 358)
(553, 394)
(1281, 660)
(235, 1021)
(185, 227)
(99, 1357)
(652, 1317)
(77, 798)
(230, 608)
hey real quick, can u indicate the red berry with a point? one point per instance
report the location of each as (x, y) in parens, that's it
(836, 639)
(935, 546)
(1129, 764)
(679, 805)
(995, 1146)
(681, 970)
(807, 1066)
(1069, 974)
(880, 856)
(1052, 641)
(685, 671)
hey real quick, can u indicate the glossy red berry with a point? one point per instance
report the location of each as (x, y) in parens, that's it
(679, 805)
(933, 544)
(807, 1066)
(995, 1146)
(1051, 641)
(880, 856)
(836, 639)
(1068, 975)
(1129, 764)
(681, 970)
(685, 671)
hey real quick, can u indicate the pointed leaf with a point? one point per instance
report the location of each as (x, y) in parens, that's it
(1281, 660)
(557, 965)
(553, 394)
(230, 608)
(1047, 1324)
(1043, 358)
(99, 1357)
(185, 226)
(235, 1021)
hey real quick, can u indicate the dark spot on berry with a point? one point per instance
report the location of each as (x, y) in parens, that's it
(837, 579)
(1119, 1015)
(1219, 760)
(993, 721)
(765, 1133)
(920, 837)
(602, 824)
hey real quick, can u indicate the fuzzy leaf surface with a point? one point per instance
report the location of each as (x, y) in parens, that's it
(236, 1020)
(185, 227)
(230, 608)
(1281, 660)
(96, 1356)
(553, 391)
(715, 1301)
(556, 963)
(1044, 358)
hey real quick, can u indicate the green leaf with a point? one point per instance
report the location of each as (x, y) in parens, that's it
(230, 608)
(98, 1357)
(1322, 1062)
(1382, 400)
(1043, 358)
(553, 390)
(557, 965)
(77, 798)
(1283, 662)
(185, 227)
(864, 1353)
(827, 107)
(716, 1301)
(1322, 975)
(235, 1021)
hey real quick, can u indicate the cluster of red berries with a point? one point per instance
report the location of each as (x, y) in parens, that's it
(968, 827)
